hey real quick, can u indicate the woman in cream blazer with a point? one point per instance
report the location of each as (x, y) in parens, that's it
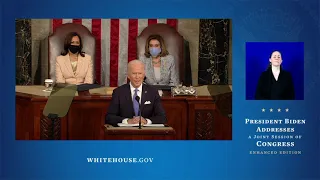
(73, 66)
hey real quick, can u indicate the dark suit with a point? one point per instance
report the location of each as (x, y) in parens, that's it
(270, 89)
(121, 106)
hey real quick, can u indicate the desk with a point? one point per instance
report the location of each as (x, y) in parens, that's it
(201, 117)
(133, 133)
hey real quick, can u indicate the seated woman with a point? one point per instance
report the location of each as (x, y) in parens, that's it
(160, 67)
(275, 83)
(74, 66)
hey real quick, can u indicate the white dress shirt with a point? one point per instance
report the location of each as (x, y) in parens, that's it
(125, 121)
(275, 71)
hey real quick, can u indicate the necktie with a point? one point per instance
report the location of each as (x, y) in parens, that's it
(135, 103)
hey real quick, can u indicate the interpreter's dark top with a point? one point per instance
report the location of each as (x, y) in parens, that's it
(270, 89)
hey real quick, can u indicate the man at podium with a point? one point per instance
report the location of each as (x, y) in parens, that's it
(129, 99)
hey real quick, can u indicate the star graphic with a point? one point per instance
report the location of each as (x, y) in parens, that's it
(287, 110)
(271, 110)
(263, 109)
(279, 110)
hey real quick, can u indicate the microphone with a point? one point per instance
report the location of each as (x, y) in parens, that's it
(139, 112)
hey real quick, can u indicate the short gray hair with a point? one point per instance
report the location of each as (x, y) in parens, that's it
(134, 62)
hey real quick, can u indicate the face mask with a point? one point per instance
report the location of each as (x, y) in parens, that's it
(74, 49)
(154, 51)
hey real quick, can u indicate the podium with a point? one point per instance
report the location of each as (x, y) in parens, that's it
(203, 117)
(133, 133)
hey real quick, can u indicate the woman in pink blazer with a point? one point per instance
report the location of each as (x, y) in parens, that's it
(74, 66)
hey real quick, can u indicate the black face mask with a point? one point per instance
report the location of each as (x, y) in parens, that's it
(74, 49)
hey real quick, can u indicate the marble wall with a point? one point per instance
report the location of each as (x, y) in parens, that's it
(214, 51)
(23, 52)
(41, 28)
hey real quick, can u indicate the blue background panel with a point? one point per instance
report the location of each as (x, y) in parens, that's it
(257, 61)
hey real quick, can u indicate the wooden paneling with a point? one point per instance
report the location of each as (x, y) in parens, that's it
(190, 117)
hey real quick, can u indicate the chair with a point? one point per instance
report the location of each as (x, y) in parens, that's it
(56, 43)
(176, 45)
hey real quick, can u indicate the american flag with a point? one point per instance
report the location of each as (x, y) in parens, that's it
(115, 44)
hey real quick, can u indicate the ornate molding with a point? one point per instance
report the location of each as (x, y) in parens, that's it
(204, 127)
(50, 129)
(183, 91)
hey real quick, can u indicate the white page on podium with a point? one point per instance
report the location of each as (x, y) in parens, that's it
(145, 125)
